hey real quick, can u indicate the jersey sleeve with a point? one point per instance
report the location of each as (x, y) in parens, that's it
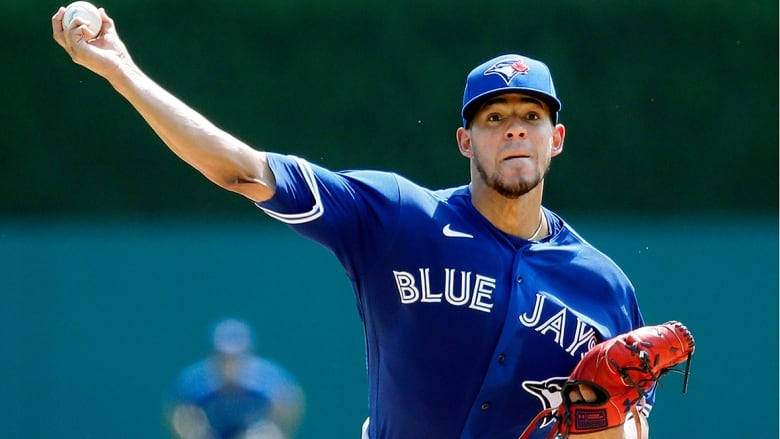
(352, 213)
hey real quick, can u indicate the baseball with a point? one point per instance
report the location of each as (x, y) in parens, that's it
(87, 12)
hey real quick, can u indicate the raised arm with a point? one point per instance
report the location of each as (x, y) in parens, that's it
(219, 156)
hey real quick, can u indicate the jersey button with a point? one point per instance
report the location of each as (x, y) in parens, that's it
(485, 405)
(501, 358)
(519, 279)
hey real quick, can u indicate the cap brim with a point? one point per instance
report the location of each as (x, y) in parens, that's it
(476, 102)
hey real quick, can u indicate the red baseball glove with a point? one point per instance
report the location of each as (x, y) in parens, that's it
(620, 371)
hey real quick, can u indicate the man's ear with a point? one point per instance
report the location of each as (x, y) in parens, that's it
(559, 134)
(464, 142)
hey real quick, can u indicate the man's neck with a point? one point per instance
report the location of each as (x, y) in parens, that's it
(519, 217)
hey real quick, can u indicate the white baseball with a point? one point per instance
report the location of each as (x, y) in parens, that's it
(87, 12)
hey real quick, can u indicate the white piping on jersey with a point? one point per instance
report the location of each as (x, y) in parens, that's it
(316, 211)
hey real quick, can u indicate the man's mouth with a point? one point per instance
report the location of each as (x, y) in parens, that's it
(516, 157)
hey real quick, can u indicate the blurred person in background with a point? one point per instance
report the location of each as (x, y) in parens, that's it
(234, 394)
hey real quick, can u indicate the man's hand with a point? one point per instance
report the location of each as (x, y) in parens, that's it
(103, 53)
(582, 392)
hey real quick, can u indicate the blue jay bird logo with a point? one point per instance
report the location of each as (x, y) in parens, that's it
(508, 69)
(549, 393)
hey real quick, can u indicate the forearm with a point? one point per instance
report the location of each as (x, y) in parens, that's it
(219, 156)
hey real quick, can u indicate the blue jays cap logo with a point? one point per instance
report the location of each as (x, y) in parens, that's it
(508, 69)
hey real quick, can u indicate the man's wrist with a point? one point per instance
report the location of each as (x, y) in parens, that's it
(125, 76)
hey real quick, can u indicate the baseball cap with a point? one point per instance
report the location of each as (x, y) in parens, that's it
(231, 337)
(507, 73)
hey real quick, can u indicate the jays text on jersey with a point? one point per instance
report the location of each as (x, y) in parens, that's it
(469, 331)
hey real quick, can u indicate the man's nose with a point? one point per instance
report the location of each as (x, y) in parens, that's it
(515, 132)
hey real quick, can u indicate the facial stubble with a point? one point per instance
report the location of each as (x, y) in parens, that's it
(498, 183)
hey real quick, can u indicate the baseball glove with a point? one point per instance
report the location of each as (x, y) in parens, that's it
(621, 371)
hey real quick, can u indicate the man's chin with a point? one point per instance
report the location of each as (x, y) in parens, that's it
(514, 190)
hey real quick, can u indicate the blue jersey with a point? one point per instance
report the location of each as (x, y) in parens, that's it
(469, 331)
(233, 408)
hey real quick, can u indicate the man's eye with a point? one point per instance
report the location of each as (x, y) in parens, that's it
(494, 117)
(533, 116)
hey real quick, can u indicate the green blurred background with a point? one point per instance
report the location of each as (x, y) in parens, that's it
(115, 256)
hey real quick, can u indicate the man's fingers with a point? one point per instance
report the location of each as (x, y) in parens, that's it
(56, 26)
(582, 393)
(99, 52)
(82, 29)
(77, 36)
(108, 22)
(587, 393)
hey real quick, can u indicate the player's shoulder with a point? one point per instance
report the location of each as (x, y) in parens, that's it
(409, 192)
(265, 376)
(196, 381)
(588, 257)
(597, 277)
(264, 367)
(376, 189)
(378, 180)
(367, 174)
(384, 181)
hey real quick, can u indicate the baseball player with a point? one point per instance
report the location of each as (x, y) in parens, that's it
(234, 394)
(477, 302)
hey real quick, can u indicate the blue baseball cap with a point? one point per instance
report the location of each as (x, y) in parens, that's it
(232, 337)
(508, 73)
